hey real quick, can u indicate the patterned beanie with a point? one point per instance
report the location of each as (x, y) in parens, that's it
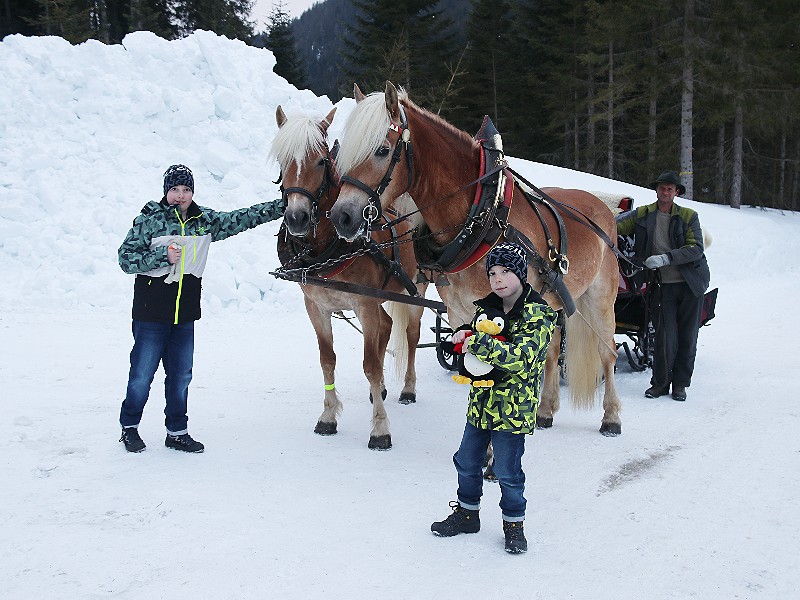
(511, 256)
(178, 175)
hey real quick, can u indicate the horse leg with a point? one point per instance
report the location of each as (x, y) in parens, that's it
(550, 401)
(377, 327)
(332, 406)
(408, 395)
(611, 424)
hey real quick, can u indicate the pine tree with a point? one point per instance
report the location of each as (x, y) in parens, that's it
(279, 38)
(486, 77)
(224, 17)
(70, 19)
(406, 41)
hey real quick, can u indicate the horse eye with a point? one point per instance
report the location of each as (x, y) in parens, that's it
(321, 162)
(382, 151)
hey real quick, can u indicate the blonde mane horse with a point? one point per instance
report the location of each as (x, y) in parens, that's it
(445, 161)
(310, 187)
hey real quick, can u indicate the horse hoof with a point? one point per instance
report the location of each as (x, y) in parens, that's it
(325, 428)
(380, 442)
(544, 422)
(489, 475)
(383, 395)
(407, 398)
(611, 429)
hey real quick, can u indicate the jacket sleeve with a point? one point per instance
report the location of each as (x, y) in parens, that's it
(526, 347)
(135, 255)
(226, 224)
(692, 248)
(626, 222)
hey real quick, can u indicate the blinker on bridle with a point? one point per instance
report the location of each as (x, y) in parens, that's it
(373, 210)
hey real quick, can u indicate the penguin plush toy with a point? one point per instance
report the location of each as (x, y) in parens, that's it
(471, 369)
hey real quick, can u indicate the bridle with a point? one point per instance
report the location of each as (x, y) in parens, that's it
(327, 180)
(373, 211)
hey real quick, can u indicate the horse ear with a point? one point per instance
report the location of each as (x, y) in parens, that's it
(328, 120)
(357, 93)
(280, 116)
(391, 100)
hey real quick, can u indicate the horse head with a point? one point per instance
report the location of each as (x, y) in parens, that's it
(375, 158)
(307, 170)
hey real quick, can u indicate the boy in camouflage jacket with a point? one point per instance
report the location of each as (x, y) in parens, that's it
(166, 249)
(505, 412)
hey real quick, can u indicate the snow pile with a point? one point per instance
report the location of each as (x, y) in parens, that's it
(87, 133)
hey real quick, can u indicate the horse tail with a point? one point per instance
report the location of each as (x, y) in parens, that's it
(398, 340)
(584, 366)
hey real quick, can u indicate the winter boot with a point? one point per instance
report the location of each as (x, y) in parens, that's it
(678, 393)
(656, 391)
(462, 520)
(183, 442)
(515, 537)
(133, 442)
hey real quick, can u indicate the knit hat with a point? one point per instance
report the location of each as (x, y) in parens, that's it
(669, 177)
(511, 256)
(178, 175)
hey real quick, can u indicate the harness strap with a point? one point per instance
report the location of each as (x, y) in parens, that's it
(552, 279)
(588, 222)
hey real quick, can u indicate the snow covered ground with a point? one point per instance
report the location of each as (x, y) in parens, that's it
(694, 500)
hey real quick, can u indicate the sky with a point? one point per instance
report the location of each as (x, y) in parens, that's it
(693, 500)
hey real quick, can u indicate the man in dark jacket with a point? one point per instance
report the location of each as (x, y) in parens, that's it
(669, 238)
(167, 249)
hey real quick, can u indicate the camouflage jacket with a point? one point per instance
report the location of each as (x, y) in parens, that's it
(511, 403)
(144, 253)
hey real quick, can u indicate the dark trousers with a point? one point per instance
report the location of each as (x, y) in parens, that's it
(172, 346)
(677, 320)
(508, 450)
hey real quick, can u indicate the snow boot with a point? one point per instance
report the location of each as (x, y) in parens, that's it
(678, 393)
(133, 442)
(656, 391)
(515, 537)
(462, 520)
(184, 443)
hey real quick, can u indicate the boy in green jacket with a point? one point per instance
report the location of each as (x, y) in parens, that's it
(505, 412)
(167, 249)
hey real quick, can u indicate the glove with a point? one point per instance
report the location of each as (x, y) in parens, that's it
(657, 261)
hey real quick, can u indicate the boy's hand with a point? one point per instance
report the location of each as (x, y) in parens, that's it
(460, 335)
(173, 253)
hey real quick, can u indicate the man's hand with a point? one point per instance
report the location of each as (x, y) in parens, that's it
(657, 261)
(173, 253)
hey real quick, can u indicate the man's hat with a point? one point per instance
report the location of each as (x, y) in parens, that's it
(669, 177)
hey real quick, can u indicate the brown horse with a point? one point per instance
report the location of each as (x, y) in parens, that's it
(440, 175)
(306, 241)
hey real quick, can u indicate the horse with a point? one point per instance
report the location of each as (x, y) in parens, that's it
(306, 241)
(441, 174)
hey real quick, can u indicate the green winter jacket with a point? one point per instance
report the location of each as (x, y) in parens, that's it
(685, 236)
(511, 403)
(144, 253)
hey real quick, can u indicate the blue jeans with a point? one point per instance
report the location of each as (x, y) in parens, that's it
(172, 345)
(508, 450)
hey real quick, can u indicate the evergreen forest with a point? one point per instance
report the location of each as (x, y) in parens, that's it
(621, 88)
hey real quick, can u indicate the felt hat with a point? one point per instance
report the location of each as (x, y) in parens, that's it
(669, 177)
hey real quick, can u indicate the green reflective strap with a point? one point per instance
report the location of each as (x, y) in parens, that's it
(330, 386)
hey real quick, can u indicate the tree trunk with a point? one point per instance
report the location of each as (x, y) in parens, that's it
(720, 185)
(738, 137)
(590, 124)
(610, 147)
(687, 101)
(782, 170)
(652, 120)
